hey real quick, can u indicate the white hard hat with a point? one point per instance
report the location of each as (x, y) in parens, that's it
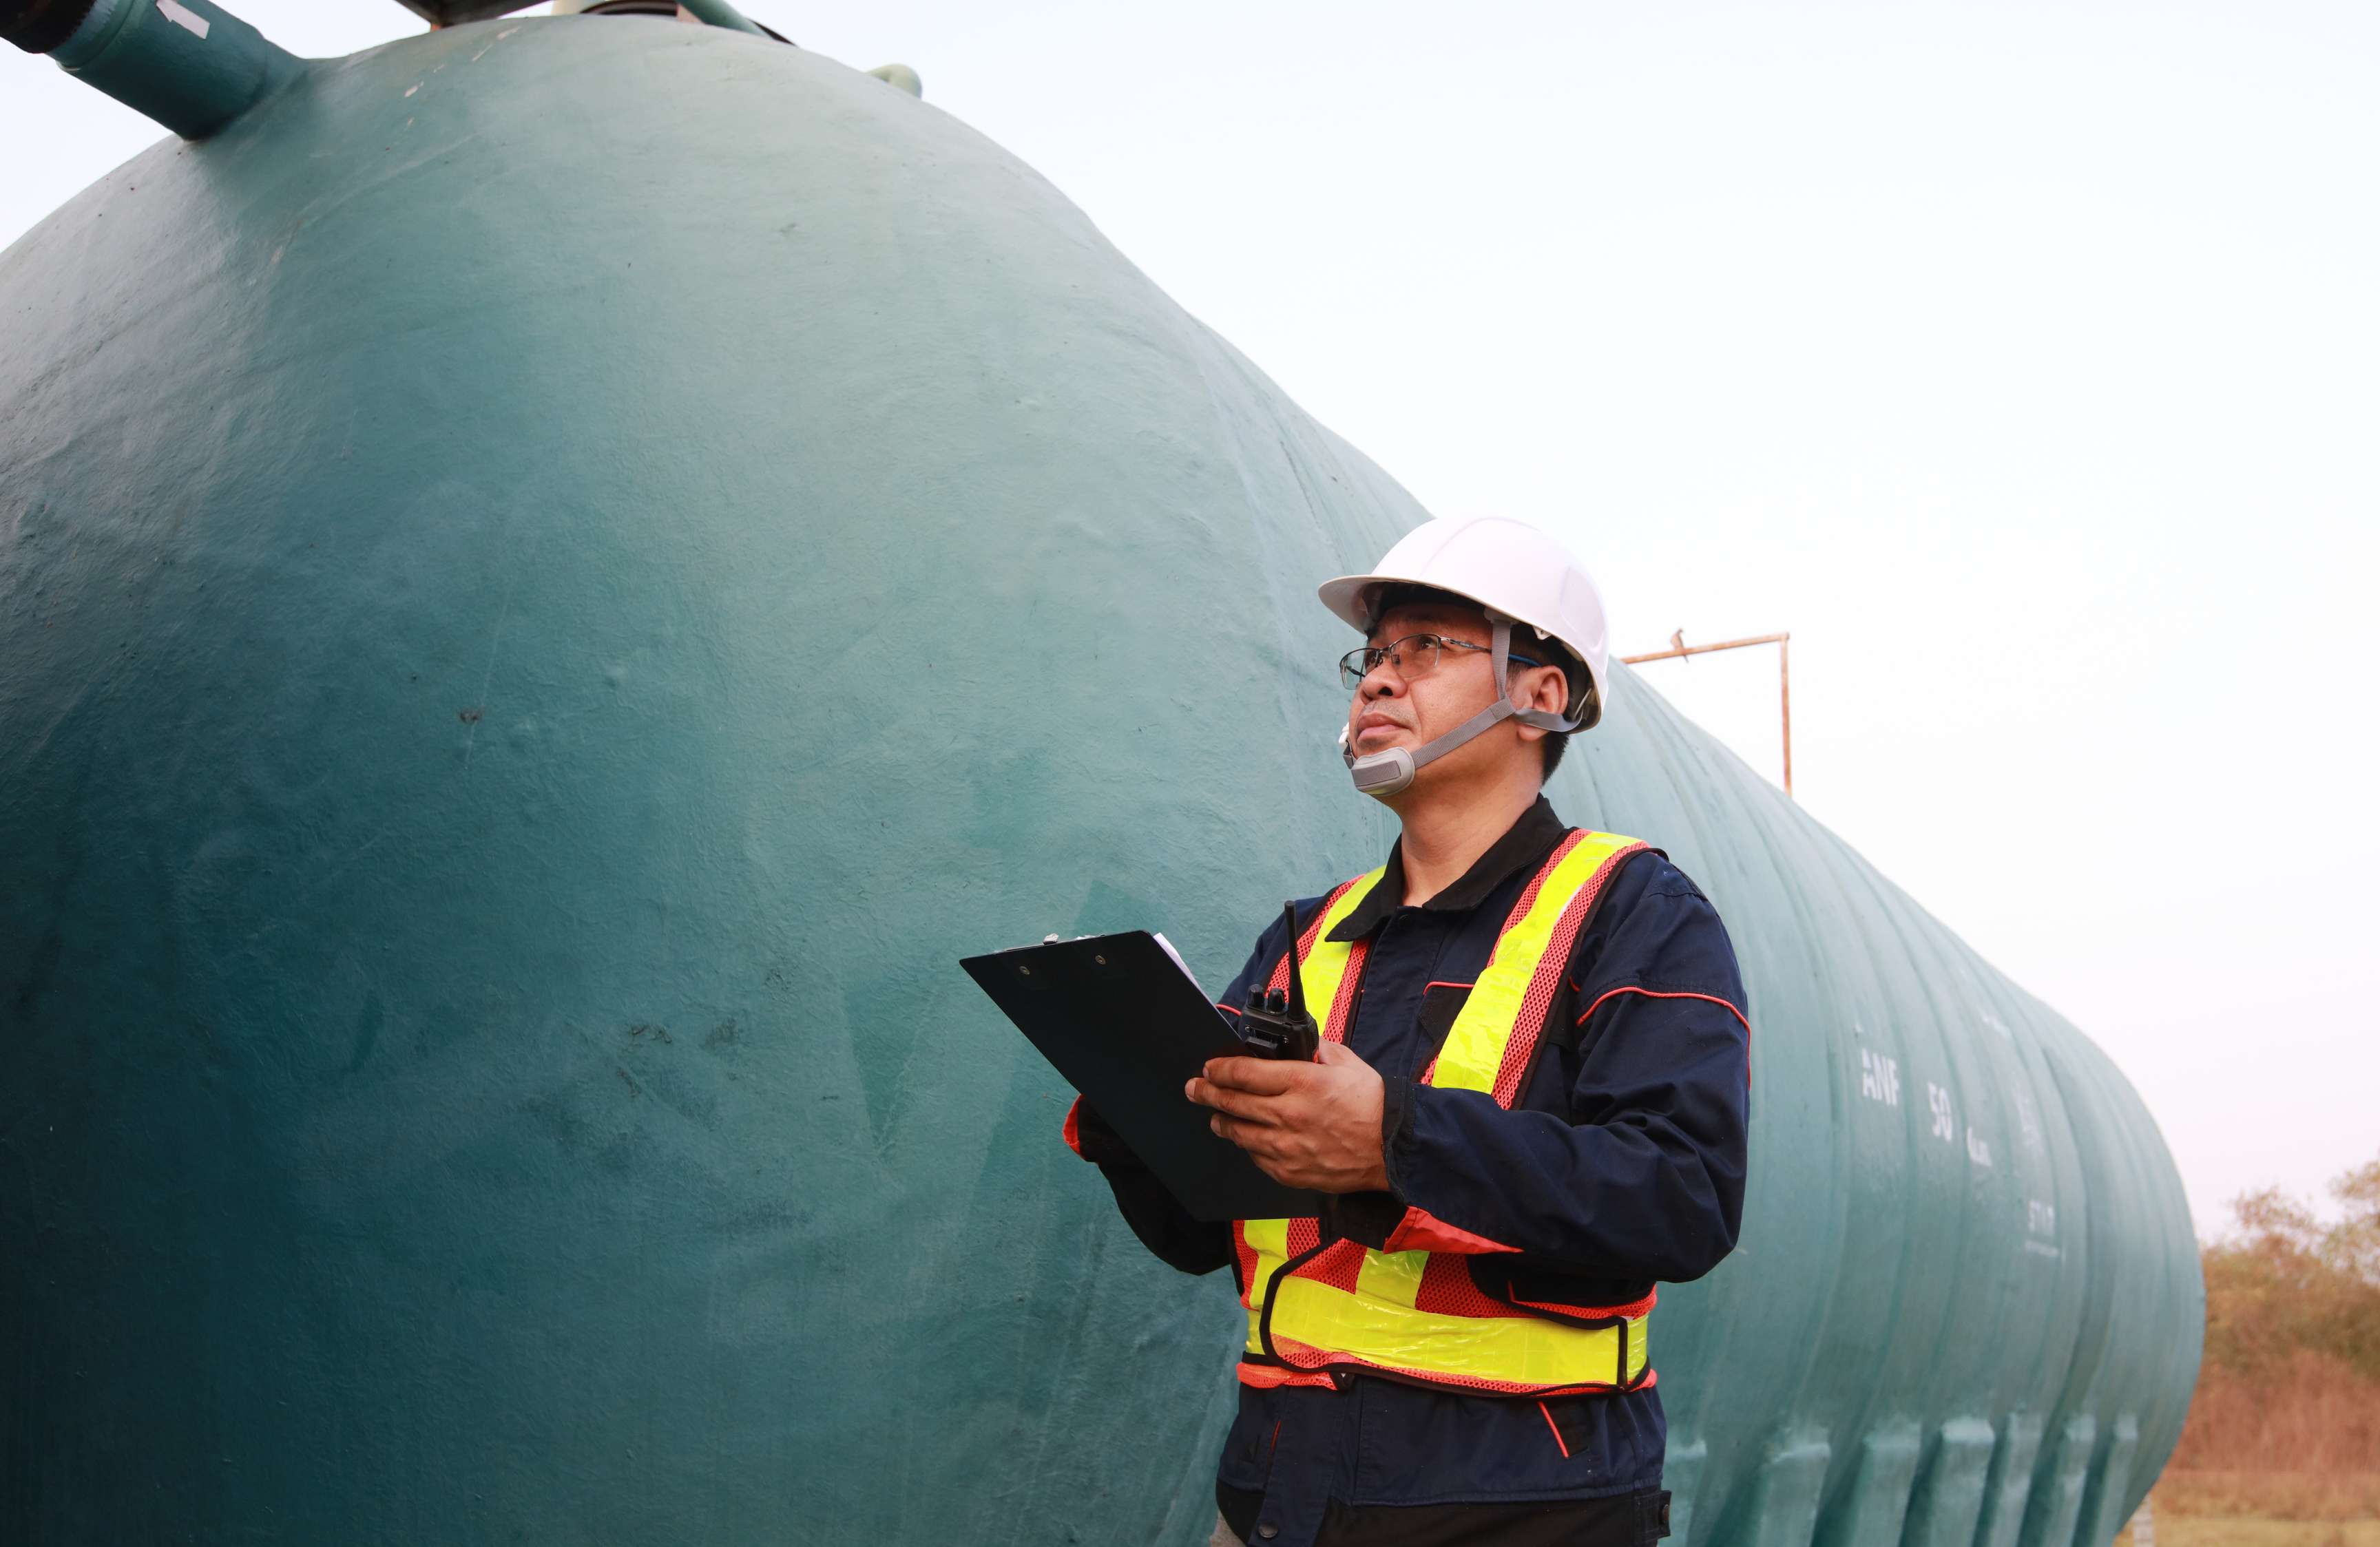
(1506, 566)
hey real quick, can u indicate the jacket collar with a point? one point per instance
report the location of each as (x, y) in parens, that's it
(1527, 842)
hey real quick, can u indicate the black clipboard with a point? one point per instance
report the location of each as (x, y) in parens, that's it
(1119, 1018)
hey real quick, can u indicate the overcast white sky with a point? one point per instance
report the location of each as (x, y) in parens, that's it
(2023, 360)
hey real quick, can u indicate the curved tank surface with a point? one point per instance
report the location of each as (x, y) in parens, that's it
(554, 576)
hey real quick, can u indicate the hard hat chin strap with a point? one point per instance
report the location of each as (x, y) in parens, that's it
(1385, 773)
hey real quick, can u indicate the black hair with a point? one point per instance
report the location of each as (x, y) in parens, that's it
(1548, 651)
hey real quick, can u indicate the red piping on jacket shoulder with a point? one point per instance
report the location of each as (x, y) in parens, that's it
(1657, 994)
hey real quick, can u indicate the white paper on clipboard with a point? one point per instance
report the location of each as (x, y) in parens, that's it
(1168, 946)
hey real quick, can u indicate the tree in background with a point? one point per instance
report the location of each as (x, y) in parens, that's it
(2282, 1281)
(2291, 1385)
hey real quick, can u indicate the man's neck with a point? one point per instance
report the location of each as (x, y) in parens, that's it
(1444, 837)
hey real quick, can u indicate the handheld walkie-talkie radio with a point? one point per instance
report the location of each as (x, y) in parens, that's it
(1274, 1024)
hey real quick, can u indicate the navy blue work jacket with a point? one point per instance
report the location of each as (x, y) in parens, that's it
(1620, 1163)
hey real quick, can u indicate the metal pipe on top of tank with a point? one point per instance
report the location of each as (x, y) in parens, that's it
(1679, 649)
(189, 65)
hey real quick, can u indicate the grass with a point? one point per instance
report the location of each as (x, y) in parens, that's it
(2265, 1509)
(2272, 1496)
(2185, 1531)
(2289, 1460)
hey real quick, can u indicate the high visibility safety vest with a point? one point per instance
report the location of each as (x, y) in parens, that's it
(1317, 1311)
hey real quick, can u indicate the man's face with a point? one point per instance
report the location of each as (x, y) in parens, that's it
(1391, 710)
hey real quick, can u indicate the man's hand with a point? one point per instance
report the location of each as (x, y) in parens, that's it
(1315, 1126)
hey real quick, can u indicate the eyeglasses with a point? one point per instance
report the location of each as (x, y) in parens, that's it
(1415, 656)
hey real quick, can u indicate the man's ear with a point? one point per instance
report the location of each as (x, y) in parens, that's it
(1544, 687)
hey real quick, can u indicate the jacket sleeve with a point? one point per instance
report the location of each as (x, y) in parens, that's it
(1644, 1178)
(1164, 1226)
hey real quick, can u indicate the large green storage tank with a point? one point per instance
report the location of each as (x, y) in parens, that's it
(554, 576)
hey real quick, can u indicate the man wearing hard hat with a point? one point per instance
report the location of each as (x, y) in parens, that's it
(1528, 1109)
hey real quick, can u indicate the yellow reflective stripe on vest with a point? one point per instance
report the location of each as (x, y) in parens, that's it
(1379, 1325)
(1269, 1239)
(1323, 972)
(1474, 1047)
(1518, 1350)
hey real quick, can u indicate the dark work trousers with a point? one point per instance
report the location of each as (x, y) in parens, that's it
(1626, 1520)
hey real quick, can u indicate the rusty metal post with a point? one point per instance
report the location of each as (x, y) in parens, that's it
(1680, 648)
